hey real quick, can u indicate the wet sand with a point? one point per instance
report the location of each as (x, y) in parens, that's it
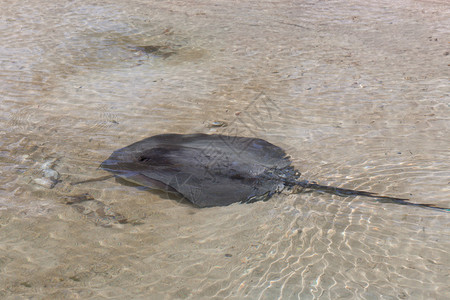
(357, 94)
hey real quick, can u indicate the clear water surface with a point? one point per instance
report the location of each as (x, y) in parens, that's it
(357, 92)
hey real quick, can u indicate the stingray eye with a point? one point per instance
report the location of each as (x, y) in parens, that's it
(152, 160)
(143, 158)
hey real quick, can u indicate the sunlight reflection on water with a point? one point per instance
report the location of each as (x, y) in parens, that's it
(356, 94)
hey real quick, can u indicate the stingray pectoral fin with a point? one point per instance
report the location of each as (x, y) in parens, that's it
(141, 179)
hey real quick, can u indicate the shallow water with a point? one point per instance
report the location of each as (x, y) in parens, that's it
(357, 94)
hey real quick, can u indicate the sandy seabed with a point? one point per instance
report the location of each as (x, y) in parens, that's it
(356, 92)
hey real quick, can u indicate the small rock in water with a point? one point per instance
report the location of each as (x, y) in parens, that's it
(45, 182)
(218, 124)
(49, 176)
(48, 164)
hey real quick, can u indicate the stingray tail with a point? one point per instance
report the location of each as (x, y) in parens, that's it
(348, 192)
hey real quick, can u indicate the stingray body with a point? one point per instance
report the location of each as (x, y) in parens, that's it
(208, 170)
(215, 170)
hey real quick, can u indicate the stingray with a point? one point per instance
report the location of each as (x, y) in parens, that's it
(217, 170)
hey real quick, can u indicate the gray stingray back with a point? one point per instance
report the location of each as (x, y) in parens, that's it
(208, 170)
